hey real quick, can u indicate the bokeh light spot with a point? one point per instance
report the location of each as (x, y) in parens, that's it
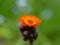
(46, 14)
(22, 3)
(2, 18)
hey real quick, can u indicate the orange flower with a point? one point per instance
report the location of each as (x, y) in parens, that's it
(29, 20)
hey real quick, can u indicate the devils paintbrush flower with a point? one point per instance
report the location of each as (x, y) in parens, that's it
(29, 20)
(28, 27)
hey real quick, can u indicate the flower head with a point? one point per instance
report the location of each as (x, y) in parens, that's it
(29, 20)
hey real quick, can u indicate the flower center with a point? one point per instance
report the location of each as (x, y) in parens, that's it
(30, 21)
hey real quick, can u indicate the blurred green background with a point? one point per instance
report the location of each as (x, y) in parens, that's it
(47, 10)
